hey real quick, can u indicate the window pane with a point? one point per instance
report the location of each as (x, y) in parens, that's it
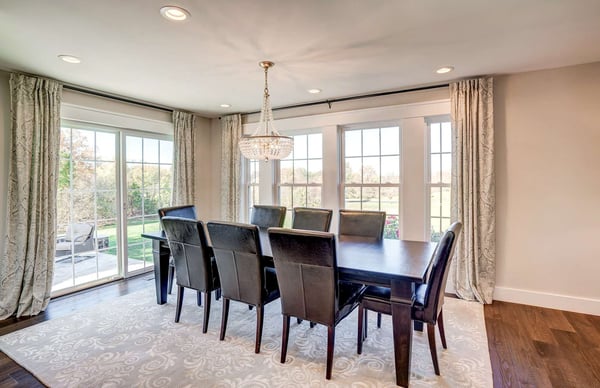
(300, 172)
(435, 137)
(315, 171)
(134, 149)
(151, 181)
(371, 173)
(352, 198)
(166, 152)
(83, 175)
(436, 232)
(352, 143)
(150, 151)
(446, 137)
(391, 228)
(165, 198)
(314, 197)
(446, 168)
(105, 146)
(390, 200)
(435, 200)
(82, 146)
(370, 142)
(370, 198)
(106, 176)
(300, 147)
(285, 196)
(299, 196)
(315, 146)
(390, 141)
(65, 142)
(435, 168)
(254, 171)
(390, 169)
(445, 202)
(353, 170)
(286, 169)
(151, 200)
(106, 204)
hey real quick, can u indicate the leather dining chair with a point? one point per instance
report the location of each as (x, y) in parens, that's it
(194, 265)
(265, 216)
(306, 265)
(429, 296)
(361, 223)
(183, 211)
(244, 276)
(312, 219)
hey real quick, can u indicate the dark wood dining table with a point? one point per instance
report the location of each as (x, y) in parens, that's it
(397, 264)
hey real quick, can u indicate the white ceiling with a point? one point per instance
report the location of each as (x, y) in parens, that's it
(344, 47)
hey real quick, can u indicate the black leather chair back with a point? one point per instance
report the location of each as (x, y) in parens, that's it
(306, 267)
(191, 253)
(238, 254)
(440, 265)
(265, 216)
(312, 219)
(184, 211)
(362, 223)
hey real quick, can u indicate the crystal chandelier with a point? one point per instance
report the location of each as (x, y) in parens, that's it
(266, 143)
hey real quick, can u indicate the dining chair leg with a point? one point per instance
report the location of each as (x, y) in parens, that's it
(284, 337)
(298, 320)
(360, 335)
(224, 318)
(312, 324)
(206, 311)
(330, 345)
(180, 290)
(218, 294)
(366, 323)
(440, 322)
(170, 277)
(432, 348)
(250, 307)
(379, 320)
(199, 298)
(260, 316)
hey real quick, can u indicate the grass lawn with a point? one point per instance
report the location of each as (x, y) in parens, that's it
(138, 247)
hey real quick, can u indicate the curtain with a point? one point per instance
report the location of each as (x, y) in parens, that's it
(27, 263)
(473, 188)
(183, 159)
(231, 166)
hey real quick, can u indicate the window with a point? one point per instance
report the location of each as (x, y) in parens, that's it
(440, 175)
(301, 174)
(252, 184)
(371, 171)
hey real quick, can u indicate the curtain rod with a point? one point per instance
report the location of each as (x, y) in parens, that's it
(118, 98)
(341, 99)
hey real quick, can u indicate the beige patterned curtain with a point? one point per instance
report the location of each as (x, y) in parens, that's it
(183, 159)
(27, 263)
(473, 188)
(231, 167)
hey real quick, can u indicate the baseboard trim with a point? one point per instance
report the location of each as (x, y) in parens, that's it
(548, 300)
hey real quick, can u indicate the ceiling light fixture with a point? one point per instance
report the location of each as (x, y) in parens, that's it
(314, 91)
(444, 69)
(266, 143)
(174, 13)
(225, 106)
(69, 58)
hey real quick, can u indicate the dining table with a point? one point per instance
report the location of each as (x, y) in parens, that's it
(397, 264)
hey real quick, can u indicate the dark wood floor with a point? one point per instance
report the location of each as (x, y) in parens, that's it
(529, 346)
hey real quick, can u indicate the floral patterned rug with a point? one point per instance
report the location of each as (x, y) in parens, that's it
(133, 342)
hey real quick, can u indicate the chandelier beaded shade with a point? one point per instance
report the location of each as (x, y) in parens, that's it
(266, 143)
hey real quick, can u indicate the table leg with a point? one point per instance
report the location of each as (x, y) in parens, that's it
(160, 255)
(402, 301)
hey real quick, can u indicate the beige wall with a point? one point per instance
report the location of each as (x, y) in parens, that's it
(205, 191)
(4, 151)
(548, 187)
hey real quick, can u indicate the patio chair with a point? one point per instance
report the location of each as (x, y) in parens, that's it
(78, 238)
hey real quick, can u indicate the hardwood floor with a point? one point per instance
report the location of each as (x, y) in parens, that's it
(529, 346)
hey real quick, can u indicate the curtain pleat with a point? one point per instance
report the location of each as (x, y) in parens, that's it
(183, 159)
(27, 263)
(473, 188)
(231, 163)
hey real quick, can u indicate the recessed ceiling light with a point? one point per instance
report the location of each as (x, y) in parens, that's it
(314, 91)
(174, 13)
(70, 59)
(225, 106)
(444, 70)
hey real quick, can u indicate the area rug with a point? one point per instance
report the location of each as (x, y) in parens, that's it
(133, 342)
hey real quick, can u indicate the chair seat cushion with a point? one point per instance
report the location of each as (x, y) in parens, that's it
(349, 297)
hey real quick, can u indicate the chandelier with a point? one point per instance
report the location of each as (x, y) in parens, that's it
(266, 143)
